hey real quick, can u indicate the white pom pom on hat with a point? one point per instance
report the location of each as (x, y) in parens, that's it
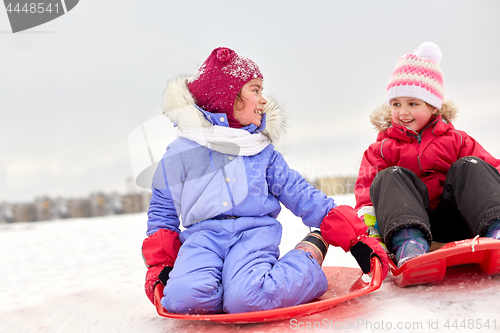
(430, 51)
(418, 75)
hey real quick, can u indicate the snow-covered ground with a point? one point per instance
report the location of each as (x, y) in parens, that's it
(86, 275)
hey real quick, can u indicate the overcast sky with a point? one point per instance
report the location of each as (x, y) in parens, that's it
(75, 90)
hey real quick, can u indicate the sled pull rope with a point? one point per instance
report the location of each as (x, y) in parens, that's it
(472, 245)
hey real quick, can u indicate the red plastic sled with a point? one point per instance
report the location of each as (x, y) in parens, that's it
(343, 284)
(431, 267)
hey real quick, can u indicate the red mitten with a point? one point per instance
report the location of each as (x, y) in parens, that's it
(342, 227)
(159, 252)
(364, 249)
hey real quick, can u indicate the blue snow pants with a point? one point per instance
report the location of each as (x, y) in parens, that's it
(232, 266)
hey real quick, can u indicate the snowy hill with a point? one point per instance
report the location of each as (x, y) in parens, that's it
(86, 275)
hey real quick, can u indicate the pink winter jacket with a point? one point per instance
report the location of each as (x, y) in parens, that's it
(429, 154)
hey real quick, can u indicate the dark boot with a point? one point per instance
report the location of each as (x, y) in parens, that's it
(315, 245)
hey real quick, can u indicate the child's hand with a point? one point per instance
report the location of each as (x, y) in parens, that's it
(155, 275)
(159, 252)
(364, 249)
(342, 227)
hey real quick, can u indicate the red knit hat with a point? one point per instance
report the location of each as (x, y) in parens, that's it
(219, 79)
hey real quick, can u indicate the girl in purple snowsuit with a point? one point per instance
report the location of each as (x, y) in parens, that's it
(223, 178)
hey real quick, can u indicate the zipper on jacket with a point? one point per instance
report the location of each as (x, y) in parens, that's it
(418, 136)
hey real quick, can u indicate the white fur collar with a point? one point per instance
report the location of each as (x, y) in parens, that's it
(179, 107)
(381, 116)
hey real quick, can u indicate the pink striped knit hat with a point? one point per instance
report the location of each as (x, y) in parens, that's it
(418, 75)
(219, 79)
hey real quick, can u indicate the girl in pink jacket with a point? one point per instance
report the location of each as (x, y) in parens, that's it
(422, 179)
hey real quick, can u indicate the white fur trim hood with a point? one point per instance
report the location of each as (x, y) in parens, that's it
(179, 107)
(381, 116)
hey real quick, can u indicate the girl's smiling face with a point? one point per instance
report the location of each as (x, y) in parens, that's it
(411, 112)
(249, 109)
